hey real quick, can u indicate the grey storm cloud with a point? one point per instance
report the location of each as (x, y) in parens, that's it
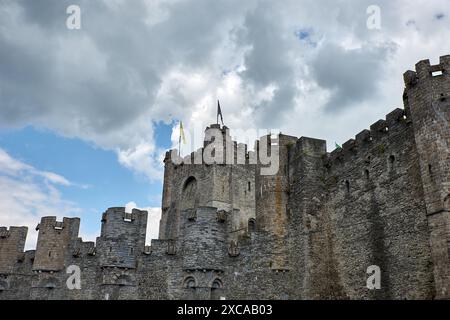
(134, 63)
(50, 72)
(350, 75)
(105, 76)
(269, 62)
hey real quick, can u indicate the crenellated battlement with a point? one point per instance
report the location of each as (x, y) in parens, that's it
(55, 240)
(380, 132)
(223, 152)
(160, 247)
(13, 232)
(228, 230)
(69, 225)
(425, 71)
(12, 243)
(122, 237)
(116, 222)
(117, 213)
(82, 249)
(58, 242)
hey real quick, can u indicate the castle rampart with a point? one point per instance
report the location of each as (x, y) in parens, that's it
(310, 230)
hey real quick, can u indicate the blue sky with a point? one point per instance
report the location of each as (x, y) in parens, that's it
(98, 180)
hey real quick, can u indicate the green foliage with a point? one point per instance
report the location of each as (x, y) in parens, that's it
(381, 148)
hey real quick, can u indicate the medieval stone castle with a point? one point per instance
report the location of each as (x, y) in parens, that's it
(310, 231)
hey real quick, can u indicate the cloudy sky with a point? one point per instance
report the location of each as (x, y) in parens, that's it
(86, 114)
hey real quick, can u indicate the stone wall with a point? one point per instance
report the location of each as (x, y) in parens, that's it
(376, 212)
(309, 231)
(427, 99)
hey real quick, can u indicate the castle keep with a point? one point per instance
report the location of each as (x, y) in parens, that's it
(309, 231)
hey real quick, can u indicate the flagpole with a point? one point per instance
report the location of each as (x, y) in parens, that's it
(179, 141)
(219, 112)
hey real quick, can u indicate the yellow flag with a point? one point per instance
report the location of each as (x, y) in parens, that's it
(182, 133)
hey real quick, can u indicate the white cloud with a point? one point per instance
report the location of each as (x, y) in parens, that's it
(171, 60)
(144, 159)
(54, 178)
(27, 194)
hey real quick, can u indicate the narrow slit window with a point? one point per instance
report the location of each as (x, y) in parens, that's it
(392, 162)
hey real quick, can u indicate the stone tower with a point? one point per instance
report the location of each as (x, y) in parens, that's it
(12, 243)
(121, 242)
(427, 100)
(209, 177)
(55, 240)
(203, 238)
(122, 237)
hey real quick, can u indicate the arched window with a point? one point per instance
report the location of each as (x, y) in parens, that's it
(216, 289)
(217, 284)
(189, 283)
(189, 194)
